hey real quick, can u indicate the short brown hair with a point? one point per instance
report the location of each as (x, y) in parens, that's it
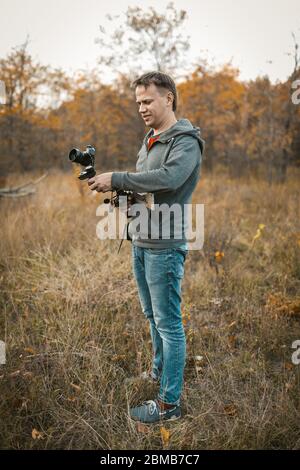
(161, 80)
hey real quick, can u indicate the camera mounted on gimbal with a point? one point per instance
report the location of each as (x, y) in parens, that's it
(86, 159)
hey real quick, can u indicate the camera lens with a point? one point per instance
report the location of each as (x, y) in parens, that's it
(75, 155)
(84, 158)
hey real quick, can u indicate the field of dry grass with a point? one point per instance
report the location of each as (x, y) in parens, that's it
(75, 334)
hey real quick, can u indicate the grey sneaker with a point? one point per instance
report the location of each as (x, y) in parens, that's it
(149, 412)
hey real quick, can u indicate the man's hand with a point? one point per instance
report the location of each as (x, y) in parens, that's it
(101, 183)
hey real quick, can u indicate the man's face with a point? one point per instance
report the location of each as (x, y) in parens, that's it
(154, 106)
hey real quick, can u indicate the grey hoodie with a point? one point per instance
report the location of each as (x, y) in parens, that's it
(170, 170)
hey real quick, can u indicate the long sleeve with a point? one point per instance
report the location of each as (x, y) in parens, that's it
(184, 156)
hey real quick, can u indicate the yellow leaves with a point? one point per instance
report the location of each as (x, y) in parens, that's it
(219, 255)
(29, 350)
(259, 232)
(163, 432)
(35, 434)
(277, 304)
(186, 315)
(216, 259)
(257, 235)
(165, 436)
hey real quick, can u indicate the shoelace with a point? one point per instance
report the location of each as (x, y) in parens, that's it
(152, 406)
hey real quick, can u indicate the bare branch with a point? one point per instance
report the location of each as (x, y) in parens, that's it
(20, 191)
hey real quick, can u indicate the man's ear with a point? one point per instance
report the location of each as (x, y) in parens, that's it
(170, 97)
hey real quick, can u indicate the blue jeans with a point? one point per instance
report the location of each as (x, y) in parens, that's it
(158, 274)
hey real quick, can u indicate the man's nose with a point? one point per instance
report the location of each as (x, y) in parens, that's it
(142, 109)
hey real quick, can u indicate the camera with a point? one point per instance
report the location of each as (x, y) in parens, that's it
(86, 159)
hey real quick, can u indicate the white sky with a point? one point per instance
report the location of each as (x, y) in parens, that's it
(249, 33)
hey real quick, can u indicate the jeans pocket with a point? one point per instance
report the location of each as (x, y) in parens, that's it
(183, 252)
(176, 263)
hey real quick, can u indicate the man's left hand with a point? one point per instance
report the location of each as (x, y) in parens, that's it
(100, 183)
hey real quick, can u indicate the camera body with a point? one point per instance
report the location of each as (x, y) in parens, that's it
(86, 159)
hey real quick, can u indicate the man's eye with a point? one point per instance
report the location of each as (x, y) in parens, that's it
(145, 102)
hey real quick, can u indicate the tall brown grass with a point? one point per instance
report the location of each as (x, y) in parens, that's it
(75, 334)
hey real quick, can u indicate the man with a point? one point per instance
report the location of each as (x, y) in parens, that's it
(168, 166)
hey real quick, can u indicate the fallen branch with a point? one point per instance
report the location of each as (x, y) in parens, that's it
(20, 191)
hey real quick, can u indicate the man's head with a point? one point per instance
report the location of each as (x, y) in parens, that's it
(156, 97)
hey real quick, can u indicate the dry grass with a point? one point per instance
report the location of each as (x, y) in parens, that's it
(75, 332)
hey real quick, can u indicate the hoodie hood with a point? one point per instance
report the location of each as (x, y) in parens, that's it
(181, 127)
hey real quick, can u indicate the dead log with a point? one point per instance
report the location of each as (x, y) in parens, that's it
(22, 190)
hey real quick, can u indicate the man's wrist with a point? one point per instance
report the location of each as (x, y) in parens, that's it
(117, 180)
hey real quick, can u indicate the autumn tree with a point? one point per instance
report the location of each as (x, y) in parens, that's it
(213, 100)
(274, 123)
(290, 109)
(31, 88)
(145, 39)
(246, 125)
(104, 116)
